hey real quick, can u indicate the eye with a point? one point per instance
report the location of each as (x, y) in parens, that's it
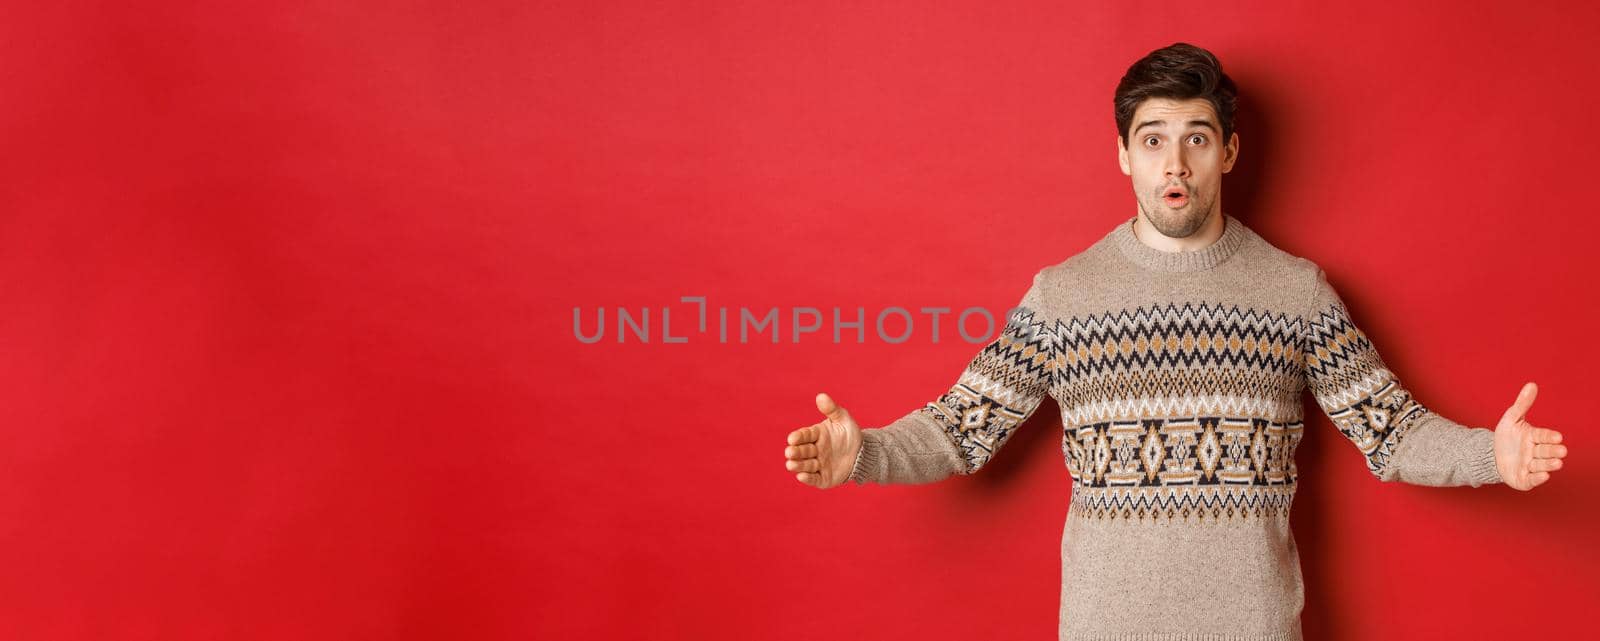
(1201, 137)
(1147, 141)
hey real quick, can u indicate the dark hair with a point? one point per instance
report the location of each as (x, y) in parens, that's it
(1180, 71)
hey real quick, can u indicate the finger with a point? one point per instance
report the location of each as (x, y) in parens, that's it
(803, 465)
(803, 435)
(1548, 450)
(1542, 435)
(1544, 465)
(829, 408)
(1538, 478)
(808, 450)
(807, 478)
(1519, 408)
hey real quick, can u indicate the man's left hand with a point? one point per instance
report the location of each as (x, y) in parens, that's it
(1525, 454)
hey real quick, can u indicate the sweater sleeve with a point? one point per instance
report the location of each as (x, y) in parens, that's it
(1401, 439)
(962, 429)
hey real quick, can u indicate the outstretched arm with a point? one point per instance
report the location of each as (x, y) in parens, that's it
(1400, 438)
(957, 433)
(836, 450)
(960, 432)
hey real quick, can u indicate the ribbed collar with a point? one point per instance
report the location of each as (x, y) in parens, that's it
(1233, 237)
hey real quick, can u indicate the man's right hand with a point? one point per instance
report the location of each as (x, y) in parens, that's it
(822, 455)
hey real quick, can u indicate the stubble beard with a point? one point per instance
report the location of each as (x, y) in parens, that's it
(1177, 223)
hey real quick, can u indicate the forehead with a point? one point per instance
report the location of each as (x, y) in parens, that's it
(1174, 112)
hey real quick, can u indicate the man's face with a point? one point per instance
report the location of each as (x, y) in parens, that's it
(1176, 161)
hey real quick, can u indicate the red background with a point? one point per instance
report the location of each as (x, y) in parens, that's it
(288, 295)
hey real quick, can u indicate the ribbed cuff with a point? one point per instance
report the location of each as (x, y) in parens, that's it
(868, 459)
(1481, 470)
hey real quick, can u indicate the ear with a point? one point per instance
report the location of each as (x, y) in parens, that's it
(1230, 153)
(1122, 156)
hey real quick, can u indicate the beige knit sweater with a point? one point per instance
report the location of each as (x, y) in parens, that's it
(1179, 376)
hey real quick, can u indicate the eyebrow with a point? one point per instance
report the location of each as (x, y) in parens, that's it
(1192, 123)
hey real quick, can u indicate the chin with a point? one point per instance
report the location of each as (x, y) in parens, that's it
(1177, 223)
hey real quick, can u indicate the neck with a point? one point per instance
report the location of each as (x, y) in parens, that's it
(1208, 233)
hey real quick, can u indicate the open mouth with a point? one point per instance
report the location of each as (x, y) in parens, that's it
(1175, 197)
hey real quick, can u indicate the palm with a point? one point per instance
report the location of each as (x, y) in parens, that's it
(1524, 453)
(822, 454)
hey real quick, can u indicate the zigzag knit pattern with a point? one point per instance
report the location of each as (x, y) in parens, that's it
(1222, 376)
(1351, 384)
(998, 389)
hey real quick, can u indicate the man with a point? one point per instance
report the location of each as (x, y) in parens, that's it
(1178, 347)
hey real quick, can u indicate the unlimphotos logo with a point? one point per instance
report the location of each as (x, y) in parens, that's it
(893, 324)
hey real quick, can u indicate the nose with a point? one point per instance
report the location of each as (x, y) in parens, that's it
(1177, 164)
